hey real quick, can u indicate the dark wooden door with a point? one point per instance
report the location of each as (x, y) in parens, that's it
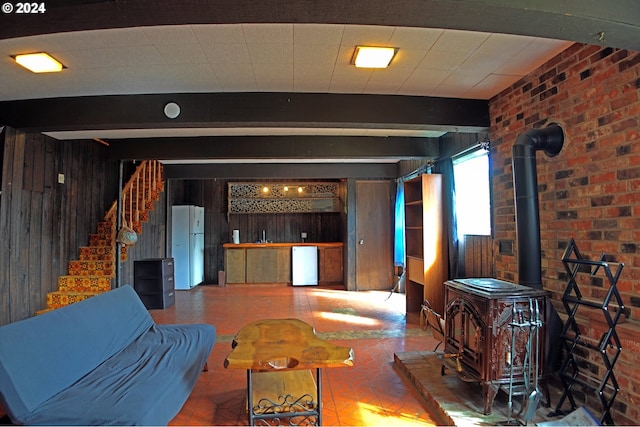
(374, 256)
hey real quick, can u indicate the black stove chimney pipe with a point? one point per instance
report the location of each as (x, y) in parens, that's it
(525, 184)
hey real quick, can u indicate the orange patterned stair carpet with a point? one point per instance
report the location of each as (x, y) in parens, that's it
(93, 272)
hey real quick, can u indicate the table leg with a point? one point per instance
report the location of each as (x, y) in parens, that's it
(249, 398)
(319, 395)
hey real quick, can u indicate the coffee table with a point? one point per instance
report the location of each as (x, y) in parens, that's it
(279, 356)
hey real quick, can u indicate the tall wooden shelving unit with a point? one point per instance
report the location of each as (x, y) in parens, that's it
(425, 243)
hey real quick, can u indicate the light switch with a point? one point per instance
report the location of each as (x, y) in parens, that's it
(60, 178)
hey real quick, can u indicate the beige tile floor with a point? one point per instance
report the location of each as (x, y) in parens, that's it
(374, 392)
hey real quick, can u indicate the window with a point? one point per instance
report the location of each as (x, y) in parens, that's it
(473, 200)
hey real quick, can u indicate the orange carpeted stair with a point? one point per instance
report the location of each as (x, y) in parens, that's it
(93, 272)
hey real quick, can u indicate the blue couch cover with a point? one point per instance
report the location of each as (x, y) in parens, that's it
(102, 361)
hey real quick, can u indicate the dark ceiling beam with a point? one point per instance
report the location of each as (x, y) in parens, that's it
(275, 147)
(247, 110)
(282, 171)
(610, 23)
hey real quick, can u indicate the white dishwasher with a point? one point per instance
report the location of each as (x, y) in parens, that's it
(304, 265)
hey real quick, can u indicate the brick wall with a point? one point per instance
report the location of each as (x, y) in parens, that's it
(589, 192)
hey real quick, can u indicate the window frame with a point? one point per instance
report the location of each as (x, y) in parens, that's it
(470, 154)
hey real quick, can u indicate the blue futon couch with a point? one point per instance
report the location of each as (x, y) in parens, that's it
(102, 361)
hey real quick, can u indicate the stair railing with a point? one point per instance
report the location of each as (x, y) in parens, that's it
(148, 172)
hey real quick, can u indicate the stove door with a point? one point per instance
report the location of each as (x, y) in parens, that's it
(465, 334)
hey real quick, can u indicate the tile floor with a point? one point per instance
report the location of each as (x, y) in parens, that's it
(372, 392)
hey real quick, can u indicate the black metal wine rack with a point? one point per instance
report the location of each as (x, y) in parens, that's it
(576, 344)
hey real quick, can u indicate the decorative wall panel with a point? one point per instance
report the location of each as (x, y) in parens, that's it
(298, 197)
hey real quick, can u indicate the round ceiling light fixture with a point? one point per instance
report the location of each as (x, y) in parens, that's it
(172, 110)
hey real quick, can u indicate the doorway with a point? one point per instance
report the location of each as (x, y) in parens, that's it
(374, 255)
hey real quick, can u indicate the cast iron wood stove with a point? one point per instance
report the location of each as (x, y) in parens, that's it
(478, 318)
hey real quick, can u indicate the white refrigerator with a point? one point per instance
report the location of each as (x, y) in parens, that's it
(304, 265)
(187, 246)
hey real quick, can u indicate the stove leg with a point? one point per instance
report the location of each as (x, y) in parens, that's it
(545, 391)
(489, 390)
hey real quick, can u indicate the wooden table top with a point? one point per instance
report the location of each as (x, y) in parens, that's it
(274, 344)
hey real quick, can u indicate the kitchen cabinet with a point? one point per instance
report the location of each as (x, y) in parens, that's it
(235, 261)
(330, 265)
(270, 263)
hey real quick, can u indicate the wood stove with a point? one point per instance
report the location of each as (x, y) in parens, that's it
(478, 330)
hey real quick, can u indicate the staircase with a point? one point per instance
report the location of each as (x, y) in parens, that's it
(93, 272)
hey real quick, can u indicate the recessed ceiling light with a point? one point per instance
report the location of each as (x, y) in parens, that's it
(373, 57)
(40, 62)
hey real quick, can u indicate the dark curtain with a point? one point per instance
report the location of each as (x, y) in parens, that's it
(445, 168)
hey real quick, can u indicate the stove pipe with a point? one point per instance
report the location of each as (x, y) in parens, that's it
(525, 184)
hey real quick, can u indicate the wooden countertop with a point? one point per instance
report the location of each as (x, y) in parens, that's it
(279, 245)
(274, 344)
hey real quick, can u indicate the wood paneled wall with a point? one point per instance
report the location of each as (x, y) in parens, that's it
(449, 145)
(476, 256)
(43, 222)
(406, 167)
(286, 228)
(454, 143)
(212, 195)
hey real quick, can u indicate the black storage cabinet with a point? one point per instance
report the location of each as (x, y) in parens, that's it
(153, 281)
